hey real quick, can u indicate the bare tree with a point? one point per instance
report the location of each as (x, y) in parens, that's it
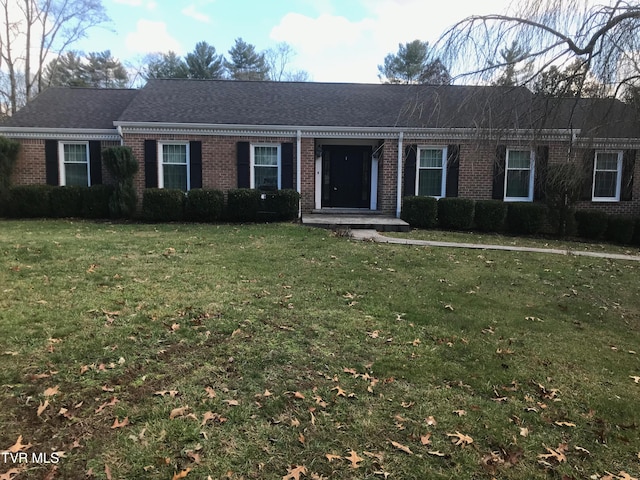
(35, 30)
(278, 60)
(604, 38)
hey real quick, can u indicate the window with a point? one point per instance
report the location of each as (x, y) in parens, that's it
(74, 164)
(607, 174)
(518, 178)
(432, 171)
(265, 167)
(174, 166)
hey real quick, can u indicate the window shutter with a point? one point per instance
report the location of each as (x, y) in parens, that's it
(628, 166)
(51, 162)
(95, 162)
(499, 166)
(150, 164)
(453, 170)
(195, 164)
(541, 169)
(410, 153)
(588, 160)
(286, 164)
(244, 165)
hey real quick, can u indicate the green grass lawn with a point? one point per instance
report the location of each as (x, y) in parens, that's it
(281, 352)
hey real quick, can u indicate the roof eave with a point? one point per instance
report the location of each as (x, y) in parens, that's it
(106, 134)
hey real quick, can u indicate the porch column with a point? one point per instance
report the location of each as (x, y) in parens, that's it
(399, 174)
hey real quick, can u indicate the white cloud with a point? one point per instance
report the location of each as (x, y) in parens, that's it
(152, 36)
(191, 12)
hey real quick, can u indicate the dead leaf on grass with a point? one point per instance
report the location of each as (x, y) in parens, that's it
(295, 472)
(51, 391)
(182, 474)
(354, 459)
(425, 439)
(178, 412)
(162, 393)
(120, 424)
(565, 424)
(636, 379)
(43, 407)
(211, 393)
(460, 413)
(553, 454)
(110, 403)
(431, 421)
(460, 439)
(231, 402)
(404, 448)
(19, 446)
(331, 457)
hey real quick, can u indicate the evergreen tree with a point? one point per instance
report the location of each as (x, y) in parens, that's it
(66, 70)
(203, 63)
(511, 57)
(166, 65)
(104, 71)
(97, 69)
(413, 64)
(246, 63)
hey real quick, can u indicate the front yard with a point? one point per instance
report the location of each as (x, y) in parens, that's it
(280, 352)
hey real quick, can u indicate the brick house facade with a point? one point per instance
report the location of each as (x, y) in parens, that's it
(342, 146)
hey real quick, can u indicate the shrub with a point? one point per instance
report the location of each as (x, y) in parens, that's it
(420, 212)
(281, 205)
(122, 165)
(562, 190)
(489, 215)
(636, 232)
(66, 201)
(243, 205)
(95, 201)
(204, 205)
(620, 229)
(591, 224)
(163, 205)
(29, 201)
(8, 155)
(455, 213)
(526, 218)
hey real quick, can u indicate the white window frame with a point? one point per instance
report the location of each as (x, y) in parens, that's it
(252, 167)
(161, 163)
(62, 162)
(443, 185)
(532, 169)
(616, 197)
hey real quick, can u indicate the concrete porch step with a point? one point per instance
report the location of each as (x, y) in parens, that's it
(381, 223)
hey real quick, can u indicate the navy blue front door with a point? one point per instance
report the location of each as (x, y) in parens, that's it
(346, 173)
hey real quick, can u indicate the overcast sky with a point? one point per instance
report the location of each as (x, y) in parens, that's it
(334, 40)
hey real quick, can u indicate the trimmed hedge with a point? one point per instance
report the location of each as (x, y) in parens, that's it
(281, 205)
(95, 201)
(243, 205)
(489, 215)
(526, 218)
(420, 212)
(636, 232)
(163, 205)
(66, 201)
(591, 224)
(122, 165)
(8, 156)
(620, 229)
(455, 213)
(29, 201)
(204, 205)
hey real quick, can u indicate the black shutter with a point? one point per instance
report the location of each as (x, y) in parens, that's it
(244, 165)
(499, 166)
(410, 153)
(150, 164)
(286, 166)
(195, 164)
(628, 166)
(95, 162)
(588, 160)
(453, 170)
(541, 169)
(51, 162)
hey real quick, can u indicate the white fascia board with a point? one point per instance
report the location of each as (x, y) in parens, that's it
(310, 131)
(61, 133)
(608, 143)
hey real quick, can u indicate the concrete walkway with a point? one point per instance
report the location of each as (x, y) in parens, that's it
(372, 235)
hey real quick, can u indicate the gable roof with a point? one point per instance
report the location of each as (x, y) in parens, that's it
(338, 105)
(73, 107)
(231, 102)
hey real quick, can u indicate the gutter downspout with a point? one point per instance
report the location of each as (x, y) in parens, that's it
(298, 167)
(399, 173)
(119, 129)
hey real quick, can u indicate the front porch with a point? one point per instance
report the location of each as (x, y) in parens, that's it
(347, 218)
